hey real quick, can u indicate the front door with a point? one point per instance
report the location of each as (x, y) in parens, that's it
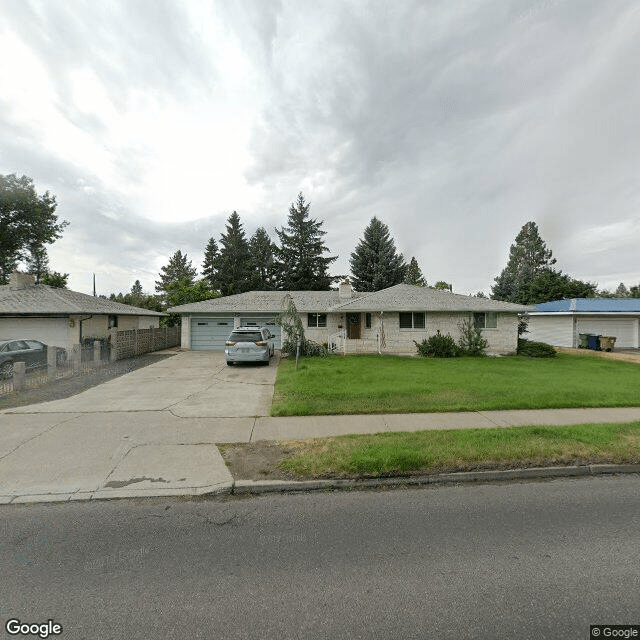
(353, 326)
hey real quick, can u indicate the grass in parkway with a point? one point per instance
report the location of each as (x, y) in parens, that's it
(388, 384)
(463, 450)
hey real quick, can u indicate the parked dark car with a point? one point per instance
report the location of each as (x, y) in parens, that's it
(32, 352)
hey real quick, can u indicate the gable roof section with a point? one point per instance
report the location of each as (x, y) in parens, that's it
(401, 297)
(43, 300)
(408, 297)
(591, 305)
(267, 301)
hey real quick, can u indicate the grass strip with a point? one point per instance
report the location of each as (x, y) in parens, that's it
(390, 384)
(425, 452)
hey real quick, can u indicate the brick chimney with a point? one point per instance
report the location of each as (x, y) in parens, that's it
(345, 291)
(19, 280)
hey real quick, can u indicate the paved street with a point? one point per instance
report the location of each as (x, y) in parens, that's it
(518, 561)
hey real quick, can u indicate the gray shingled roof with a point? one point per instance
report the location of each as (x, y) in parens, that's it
(407, 297)
(401, 297)
(267, 301)
(41, 299)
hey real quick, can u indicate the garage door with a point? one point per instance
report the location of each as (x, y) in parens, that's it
(210, 333)
(265, 321)
(624, 329)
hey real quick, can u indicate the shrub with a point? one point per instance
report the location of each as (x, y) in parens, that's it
(308, 348)
(534, 349)
(438, 346)
(471, 342)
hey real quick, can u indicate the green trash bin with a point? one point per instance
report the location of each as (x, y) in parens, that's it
(584, 344)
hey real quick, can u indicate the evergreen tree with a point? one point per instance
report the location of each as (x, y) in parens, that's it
(136, 295)
(375, 264)
(38, 262)
(414, 274)
(262, 251)
(622, 291)
(208, 266)
(528, 257)
(634, 292)
(233, 262)
(178, 268)
(550, 284)
(55, 279)
(300, 260)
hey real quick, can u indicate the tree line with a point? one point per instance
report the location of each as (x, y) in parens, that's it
(297, 261)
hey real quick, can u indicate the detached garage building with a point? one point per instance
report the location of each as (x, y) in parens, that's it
(559, 323)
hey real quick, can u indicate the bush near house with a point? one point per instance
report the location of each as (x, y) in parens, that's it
(534, 349)
(438, 346)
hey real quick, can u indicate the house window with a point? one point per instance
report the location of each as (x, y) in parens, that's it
(485, 320)
(112, 322)
(367, 320)
(412, 320)
(316, 320)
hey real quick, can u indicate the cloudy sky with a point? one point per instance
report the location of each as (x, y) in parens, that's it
(453, 122)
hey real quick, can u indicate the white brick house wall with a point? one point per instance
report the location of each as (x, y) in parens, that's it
(502, 340)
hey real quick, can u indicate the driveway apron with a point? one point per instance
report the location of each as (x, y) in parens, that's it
(150, 432)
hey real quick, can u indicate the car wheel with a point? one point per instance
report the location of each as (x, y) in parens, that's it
(229, 363)
(6, 370)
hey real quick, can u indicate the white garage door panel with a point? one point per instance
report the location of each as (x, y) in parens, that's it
(53, 331)
(208, 334)
(624, 329)
(555, 330)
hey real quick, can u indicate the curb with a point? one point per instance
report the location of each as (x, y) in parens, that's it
(241, 487)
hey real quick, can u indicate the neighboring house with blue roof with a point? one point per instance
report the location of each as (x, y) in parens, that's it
(560, 322)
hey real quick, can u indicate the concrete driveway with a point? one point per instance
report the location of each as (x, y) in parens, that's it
(150, 432)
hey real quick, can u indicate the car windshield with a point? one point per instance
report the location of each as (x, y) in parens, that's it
(246, 336)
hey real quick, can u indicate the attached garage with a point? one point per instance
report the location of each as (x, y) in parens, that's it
(210, 334)
(624, 329)
(264, 321)
(560, 322)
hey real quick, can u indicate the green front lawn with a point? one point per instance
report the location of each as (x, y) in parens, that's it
(389, 384)
(465, 449)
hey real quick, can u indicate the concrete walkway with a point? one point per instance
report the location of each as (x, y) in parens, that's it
(153, 432)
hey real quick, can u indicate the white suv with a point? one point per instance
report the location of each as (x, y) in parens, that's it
(249, 344)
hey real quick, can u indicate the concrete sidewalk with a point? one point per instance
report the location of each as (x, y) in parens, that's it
(153, 432)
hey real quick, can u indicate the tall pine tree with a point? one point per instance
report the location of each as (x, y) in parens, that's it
(179, 268)
(375, 264)
(38, 262)
(300, 257)
(262, 260)
(233, 262)
(414, 274)
(209, 264)
(528, 257)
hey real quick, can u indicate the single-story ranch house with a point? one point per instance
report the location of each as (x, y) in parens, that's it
(62, 317)
(559, 323)
(386, 321)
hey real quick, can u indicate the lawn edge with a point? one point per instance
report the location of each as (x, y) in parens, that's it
(240, 487)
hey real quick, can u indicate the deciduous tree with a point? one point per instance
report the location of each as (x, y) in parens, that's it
(27, 221)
